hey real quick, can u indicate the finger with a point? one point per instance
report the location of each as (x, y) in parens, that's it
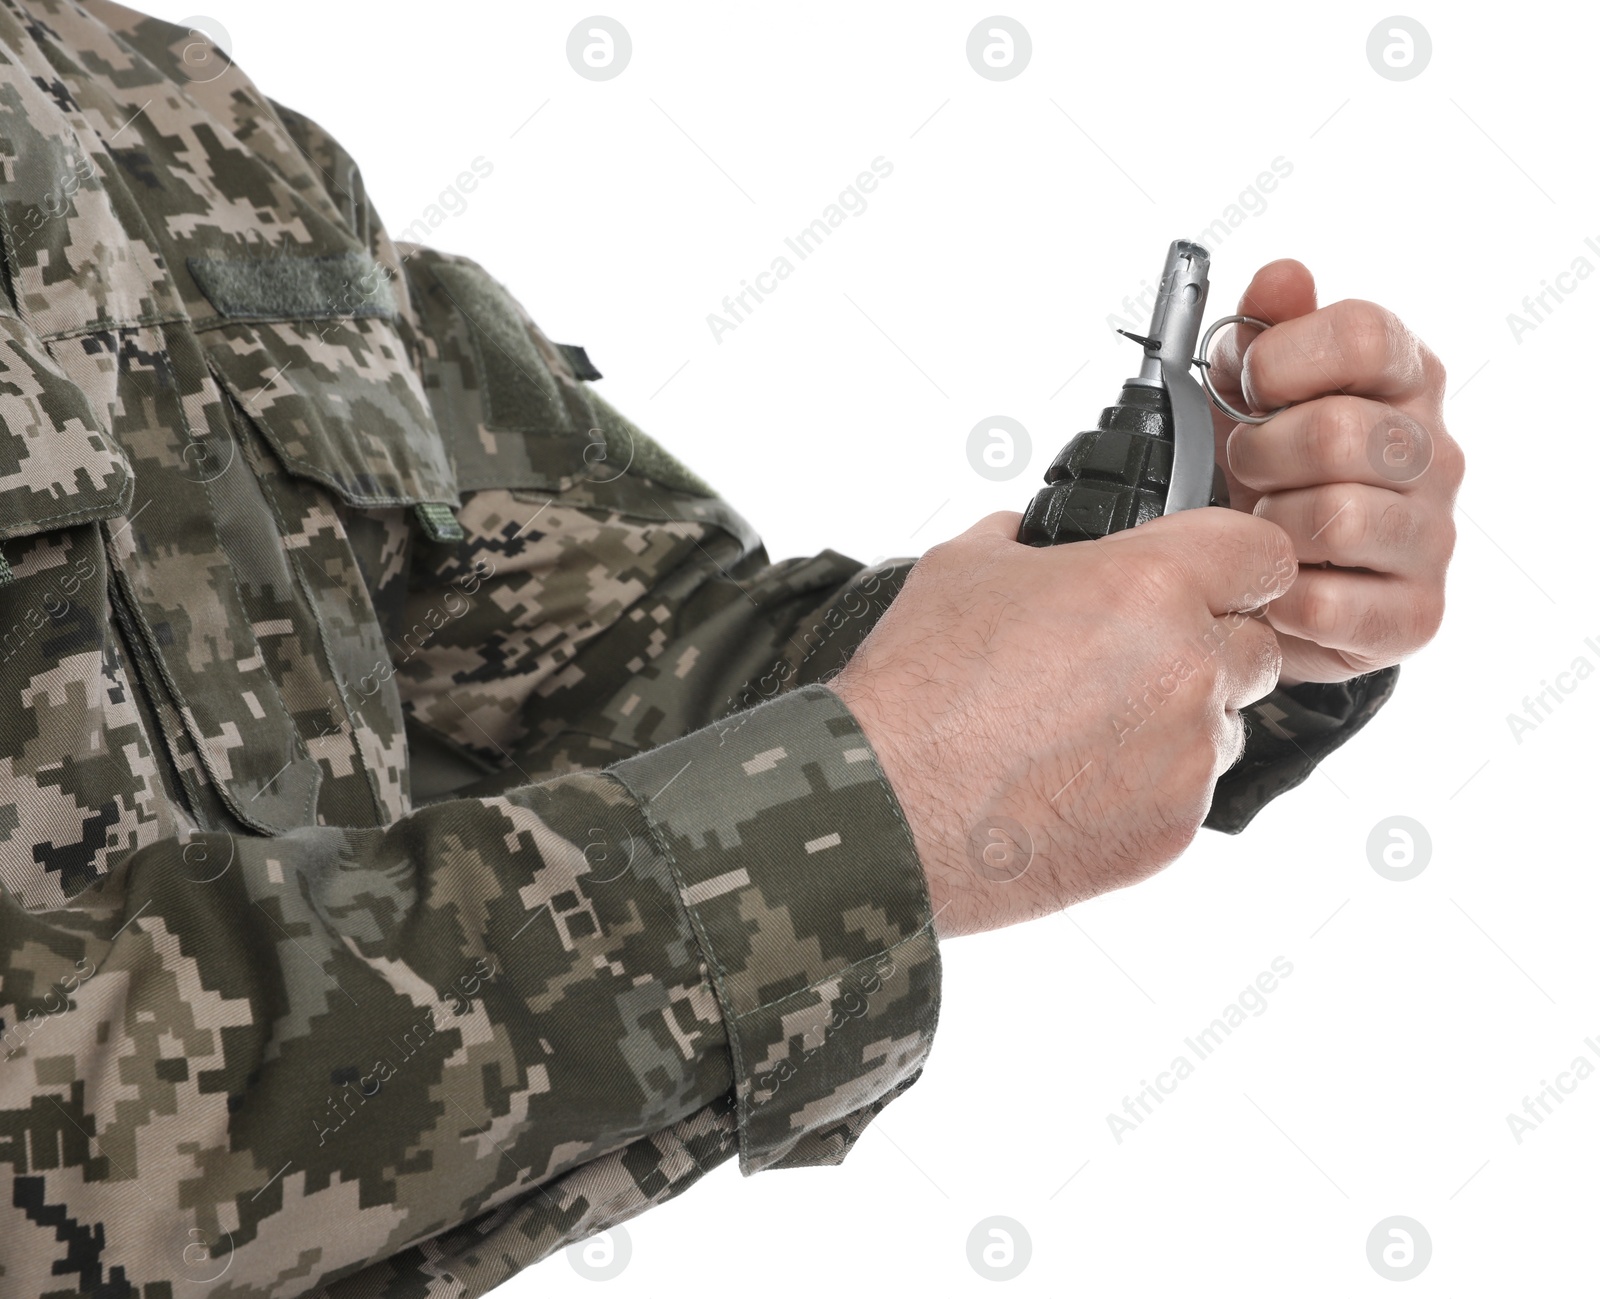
(1354, 526)
(1002, 523)
(1350, 347)
(1232, 561)
(1305, 660)
(1373, 618)
(1280, 290)
(1332, 440)
(1249, 660)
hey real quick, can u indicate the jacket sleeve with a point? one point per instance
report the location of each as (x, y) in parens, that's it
(562, 1004)
(370, 1059)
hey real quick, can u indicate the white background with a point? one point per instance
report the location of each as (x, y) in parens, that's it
(1419, 1014)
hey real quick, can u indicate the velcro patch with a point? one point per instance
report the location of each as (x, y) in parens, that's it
(348, 284)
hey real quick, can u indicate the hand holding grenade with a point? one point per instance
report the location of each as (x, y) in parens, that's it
(1151, 453)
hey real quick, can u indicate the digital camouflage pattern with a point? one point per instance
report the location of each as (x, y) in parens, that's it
(425, 839)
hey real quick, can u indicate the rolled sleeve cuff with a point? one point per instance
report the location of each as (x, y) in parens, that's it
(802, 883)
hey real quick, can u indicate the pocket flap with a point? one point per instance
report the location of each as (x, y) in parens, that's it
(58, 465)
(339, 402)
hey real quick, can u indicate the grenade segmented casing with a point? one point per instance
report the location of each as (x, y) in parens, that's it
(1121, 473)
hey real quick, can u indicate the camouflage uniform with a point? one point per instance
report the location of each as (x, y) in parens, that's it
(424, 837)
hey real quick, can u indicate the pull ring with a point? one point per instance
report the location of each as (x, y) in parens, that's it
(1205, 370)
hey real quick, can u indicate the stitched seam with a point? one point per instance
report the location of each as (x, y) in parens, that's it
(843, 970)
(635, 750)
(14, 263)
(306, 467)
(210, 323)
(109, 326)
(166, 723)
(719, 976)
(202, 744)
(322, 651)
(104, 510)
(296, 741)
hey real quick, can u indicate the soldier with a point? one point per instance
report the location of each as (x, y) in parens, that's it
(424, 843)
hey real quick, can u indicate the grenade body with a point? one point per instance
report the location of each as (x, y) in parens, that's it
(1115, 476)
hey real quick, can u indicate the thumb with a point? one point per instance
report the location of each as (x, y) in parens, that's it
(1279, 291)
(1002, 524)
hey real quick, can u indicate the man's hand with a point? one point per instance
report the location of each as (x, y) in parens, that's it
(1054, 720)
(1359, 471)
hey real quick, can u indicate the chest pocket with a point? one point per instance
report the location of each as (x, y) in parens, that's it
(250, 430)
(322, 396)
(57, 465)
(309, 349)
(246, 428)
(81, 780)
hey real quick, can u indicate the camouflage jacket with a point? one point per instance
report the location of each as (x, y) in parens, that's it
(425, 839)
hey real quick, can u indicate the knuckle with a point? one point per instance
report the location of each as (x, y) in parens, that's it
(1321, 610)
(1434, 373)
(1430, 612)
(1451, 458)
(1344, 519)
(1157, 580)
(1196, 702)
(1370, 335)
(1399, 448)
(942, 555)
(1444, 538)
(1334, 434)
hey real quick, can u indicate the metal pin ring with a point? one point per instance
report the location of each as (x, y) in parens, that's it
(1205, 370)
